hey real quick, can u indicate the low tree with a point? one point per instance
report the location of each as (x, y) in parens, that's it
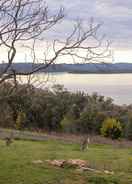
(86, 122)
(111, 128)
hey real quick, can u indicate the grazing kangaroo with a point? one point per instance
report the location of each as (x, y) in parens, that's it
(9, 139)
(85, 143)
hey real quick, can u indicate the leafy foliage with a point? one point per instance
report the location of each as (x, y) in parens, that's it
(111, 128)
(20, 121)
(128, 132)
(60, 110)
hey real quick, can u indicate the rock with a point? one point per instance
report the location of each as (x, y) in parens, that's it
(68, 163)
(58, 163)
(80, 165)
(108, 172)
(77, 162)
(88, 169)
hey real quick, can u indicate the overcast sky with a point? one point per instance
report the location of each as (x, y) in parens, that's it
(116, 16)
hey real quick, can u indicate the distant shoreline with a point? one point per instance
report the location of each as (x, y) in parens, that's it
(70, 72)
(80, 72)
(88, 68)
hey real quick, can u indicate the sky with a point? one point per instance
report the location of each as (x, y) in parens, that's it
(116, 16)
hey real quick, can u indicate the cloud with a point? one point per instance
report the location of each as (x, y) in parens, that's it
(116, 15)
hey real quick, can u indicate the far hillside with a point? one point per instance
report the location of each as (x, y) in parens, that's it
(74, 68)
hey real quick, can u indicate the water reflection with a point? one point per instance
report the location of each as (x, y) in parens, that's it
(117, 86)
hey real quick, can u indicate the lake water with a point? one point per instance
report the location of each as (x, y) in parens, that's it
(116, 86)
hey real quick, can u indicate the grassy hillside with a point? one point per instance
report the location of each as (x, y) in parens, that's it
(16, 163)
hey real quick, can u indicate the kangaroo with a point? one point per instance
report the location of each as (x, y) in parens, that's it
(85, 143)
(9, 139)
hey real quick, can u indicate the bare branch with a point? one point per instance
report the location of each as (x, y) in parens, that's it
(26, 21)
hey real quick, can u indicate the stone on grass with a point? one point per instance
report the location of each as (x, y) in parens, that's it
(108, 172)
(58, 163)
(77, 162)
(79, 165)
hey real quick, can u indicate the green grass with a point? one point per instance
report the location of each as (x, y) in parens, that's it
(16, 165)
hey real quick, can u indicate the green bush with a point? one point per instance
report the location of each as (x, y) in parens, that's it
(128, 129)
(21, 117)
(68, 125)
(85, 124)
(111, 128)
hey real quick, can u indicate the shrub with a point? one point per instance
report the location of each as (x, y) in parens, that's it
(85, 123)
(111, 128)
(128, 129)
(68, 125)
(21, 117)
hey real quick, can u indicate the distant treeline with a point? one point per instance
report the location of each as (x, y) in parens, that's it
(27, 107)
(73, 68)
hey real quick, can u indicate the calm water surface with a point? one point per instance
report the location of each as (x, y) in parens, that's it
(117, 86)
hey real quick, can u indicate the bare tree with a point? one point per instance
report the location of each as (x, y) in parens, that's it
(23, 24)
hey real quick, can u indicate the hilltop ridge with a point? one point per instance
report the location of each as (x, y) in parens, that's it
(75, 68)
